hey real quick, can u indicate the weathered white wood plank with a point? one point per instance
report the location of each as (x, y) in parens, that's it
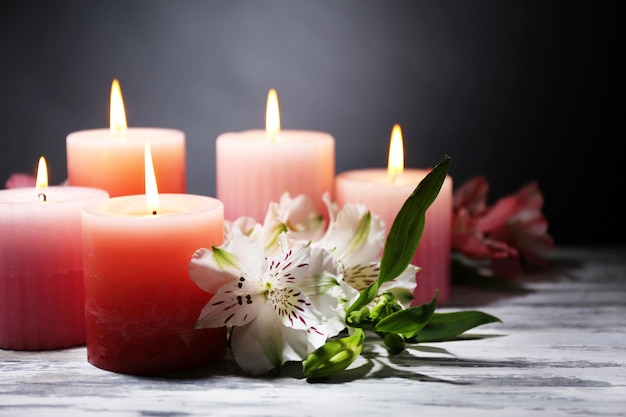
(560, 351)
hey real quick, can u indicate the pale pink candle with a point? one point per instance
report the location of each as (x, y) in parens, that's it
(384, 196)
(41, 267)
(112, 159)
(255, 167)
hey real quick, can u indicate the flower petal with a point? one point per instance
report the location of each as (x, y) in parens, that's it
(235, 304)
(356, 236)
(265, 344)
(285, 276)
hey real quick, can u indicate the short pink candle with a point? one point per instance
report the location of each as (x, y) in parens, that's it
(141, 305)
(41, 267)
(384, 197)
(255, 168)
(112, 159)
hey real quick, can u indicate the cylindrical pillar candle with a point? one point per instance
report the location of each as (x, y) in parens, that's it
(373, 188)
(252, 172)
(255, 167)
(41, 267)
(96, 159)
(113, 159)
(384, 191)
(141, 305)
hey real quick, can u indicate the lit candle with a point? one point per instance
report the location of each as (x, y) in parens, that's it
(255, 167)
(112, 159)
(141, 305)
(384, 191)
(41, 265)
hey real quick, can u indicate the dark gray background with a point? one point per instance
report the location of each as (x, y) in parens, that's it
(513, 90)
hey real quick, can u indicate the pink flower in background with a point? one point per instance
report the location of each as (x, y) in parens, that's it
(512, 233)
(20, 180)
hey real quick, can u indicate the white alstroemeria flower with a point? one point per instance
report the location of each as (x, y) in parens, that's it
(356, 237)
(300, 215)
(282, 308)
(297, 217)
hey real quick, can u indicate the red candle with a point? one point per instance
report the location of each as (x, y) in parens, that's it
(41, 265)
(141, 305)
(113, 159)
(384, 191)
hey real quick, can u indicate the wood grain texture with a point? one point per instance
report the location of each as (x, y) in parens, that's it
(559, 351)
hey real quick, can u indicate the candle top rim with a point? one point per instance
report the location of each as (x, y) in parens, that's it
(135, 206)
(260, 135)
(132, 134)
(56, 194)
(410, 176)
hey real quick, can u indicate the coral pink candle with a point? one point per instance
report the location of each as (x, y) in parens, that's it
(141, 305)
(255, 167)
(41, 266)
(384, 192)
(112, 159)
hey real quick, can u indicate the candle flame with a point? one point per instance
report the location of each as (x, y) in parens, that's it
(395, 166)
(42, 174)
(152, 192)
(272, 115)
(117, 113)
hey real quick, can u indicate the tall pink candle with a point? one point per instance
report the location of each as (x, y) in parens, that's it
(255, 167)
(41, 267)
(141, 305)
(384, 196)
(113, 159)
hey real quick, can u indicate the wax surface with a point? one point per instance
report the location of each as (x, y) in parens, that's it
(94, 159)
(373, 188)
(41, 267)
(253, 171)
(141, 305)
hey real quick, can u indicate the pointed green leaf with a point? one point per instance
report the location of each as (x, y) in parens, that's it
(409, 321)
(445, 326)
(406, 230)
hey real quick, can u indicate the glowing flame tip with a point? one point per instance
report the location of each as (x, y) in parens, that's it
(117, 114)
(395, 166)
(42, 174)
(152, 192)
(272, 115)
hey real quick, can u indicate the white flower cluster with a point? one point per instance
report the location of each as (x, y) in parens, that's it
(283, 286)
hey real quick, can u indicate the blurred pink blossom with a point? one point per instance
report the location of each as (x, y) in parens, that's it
(512, 233)
(20, 180)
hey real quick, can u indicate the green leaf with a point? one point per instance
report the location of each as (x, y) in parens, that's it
(334, 356)
(405, 232)
(408, 322)
(445, 326)
(406, 229)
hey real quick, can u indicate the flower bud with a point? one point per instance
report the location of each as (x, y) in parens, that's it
(334, 356)
(395, 342)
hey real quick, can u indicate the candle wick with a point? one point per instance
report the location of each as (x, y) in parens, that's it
(154, 212)
(42, 197)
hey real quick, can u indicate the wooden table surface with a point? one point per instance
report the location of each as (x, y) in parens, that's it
(560, 351)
